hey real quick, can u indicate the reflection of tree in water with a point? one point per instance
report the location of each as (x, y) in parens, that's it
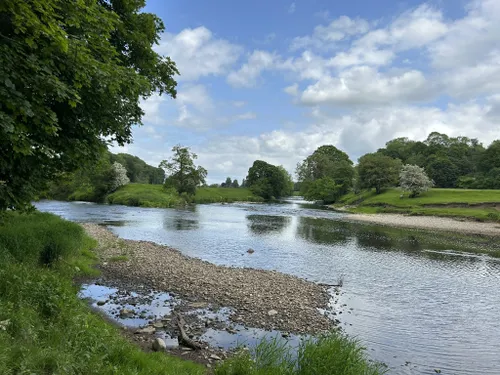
(264, 224)
(323, 230)
(180, 223)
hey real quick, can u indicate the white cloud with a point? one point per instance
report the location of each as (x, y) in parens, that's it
(248, 74)
(292, 90)
(326, 36)
(239, 103)
(365, 85)
(198, 53)
(292, 8)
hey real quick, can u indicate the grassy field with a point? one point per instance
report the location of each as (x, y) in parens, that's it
(145, 195)
(214, 195)
(472, 204)
(44, 327)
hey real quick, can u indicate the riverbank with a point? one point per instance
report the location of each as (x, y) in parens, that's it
(473, 205)
(429, 223)
(261, 299)
(44, 327)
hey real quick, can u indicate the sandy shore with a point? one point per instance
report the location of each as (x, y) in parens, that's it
(429, 222)
(261, 299)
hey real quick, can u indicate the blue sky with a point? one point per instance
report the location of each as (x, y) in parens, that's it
(274, 80)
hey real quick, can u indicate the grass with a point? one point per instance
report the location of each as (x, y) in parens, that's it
(460, 203)
(44, 327)
(215, 195)
(145, 195)
(332, 354)
(119, 258)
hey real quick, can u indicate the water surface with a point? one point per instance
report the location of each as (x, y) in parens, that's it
(415, 302)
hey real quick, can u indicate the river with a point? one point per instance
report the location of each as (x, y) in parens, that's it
(415, 303)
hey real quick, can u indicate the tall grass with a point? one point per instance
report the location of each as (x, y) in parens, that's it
(332, 354)
(44, 327)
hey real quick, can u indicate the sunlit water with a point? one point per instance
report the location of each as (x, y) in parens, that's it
(416, 305)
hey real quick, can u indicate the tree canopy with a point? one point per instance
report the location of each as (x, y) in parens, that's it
(268, 181)
(378, 171)
(182, 174)
(71, 77)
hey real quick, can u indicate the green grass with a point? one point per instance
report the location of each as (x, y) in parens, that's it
(119, 258)
(44, 327)
(215, 195)
(461, 203)
(145, 195)
(332, 354)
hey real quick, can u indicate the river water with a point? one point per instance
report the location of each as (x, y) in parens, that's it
(413, 301)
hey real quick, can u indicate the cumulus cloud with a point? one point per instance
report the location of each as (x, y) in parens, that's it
(198, 53)
(247, 75)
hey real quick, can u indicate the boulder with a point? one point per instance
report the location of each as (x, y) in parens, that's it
(159, 345)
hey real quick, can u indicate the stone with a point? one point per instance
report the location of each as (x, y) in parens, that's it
(198, 305)
(158, 325)
(101, 303)
(172, 343)
(250, 251)
(148, 330)
(159, 345)
(215, 357)
(126, 313)
(272, 312)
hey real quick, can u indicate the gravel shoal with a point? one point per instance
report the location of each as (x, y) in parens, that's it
(261, 299)
(429, 222)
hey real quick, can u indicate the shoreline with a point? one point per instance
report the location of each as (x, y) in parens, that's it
(428, 223)
(263, 299)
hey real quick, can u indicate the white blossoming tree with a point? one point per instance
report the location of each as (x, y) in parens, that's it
(120, 177)
(413, 179)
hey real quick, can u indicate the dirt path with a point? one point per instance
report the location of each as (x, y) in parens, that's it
(429, 222)
(261, 299)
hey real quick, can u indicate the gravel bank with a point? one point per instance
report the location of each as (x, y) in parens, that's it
(261, 299)
(429, 222)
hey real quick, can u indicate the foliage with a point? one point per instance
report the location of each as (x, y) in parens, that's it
(71, 74)
(227, 195)
(145, 195)
(48, 329)
(138, 171)
(323, 189)
(413, 179)
(181, 172)
(331, 354)
(268, 181)
(326, 162)
(235, 184)
(442, 171)
(378, 171)
(120, 177)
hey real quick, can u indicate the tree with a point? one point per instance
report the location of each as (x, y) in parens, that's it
(287, 177)
(266, 180)
(442, 171)
(243, 183)
(235, 184)
(120, 177)
(138, 171)
(228, 182)
(326, 162)
(378, 171)
(72, 74)
(181, 172)
(323, 189)
(413, 179)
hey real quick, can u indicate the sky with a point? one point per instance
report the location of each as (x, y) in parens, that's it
(274, 80)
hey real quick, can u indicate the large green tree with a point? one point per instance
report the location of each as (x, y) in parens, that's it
(267, 180)
(326, 162)
(182, 173)
(378, 171)
(71, 77)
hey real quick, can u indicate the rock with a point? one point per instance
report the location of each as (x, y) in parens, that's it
(215, 357)
(148, 330)
(250, 251)
(198, 305)
(101, 303)
(272, 312)
(126, 313)
(172, 343)
(158, 325)
(159, 345)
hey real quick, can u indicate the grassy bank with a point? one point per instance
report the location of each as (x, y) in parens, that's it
(332, 354)
(469, 204)
(144, 195)
(44, 327)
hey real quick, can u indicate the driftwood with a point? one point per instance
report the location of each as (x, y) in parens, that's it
(184, 338)
(330, 285)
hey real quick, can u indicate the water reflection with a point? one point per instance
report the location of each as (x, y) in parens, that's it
(264, 224)
(323, 231)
